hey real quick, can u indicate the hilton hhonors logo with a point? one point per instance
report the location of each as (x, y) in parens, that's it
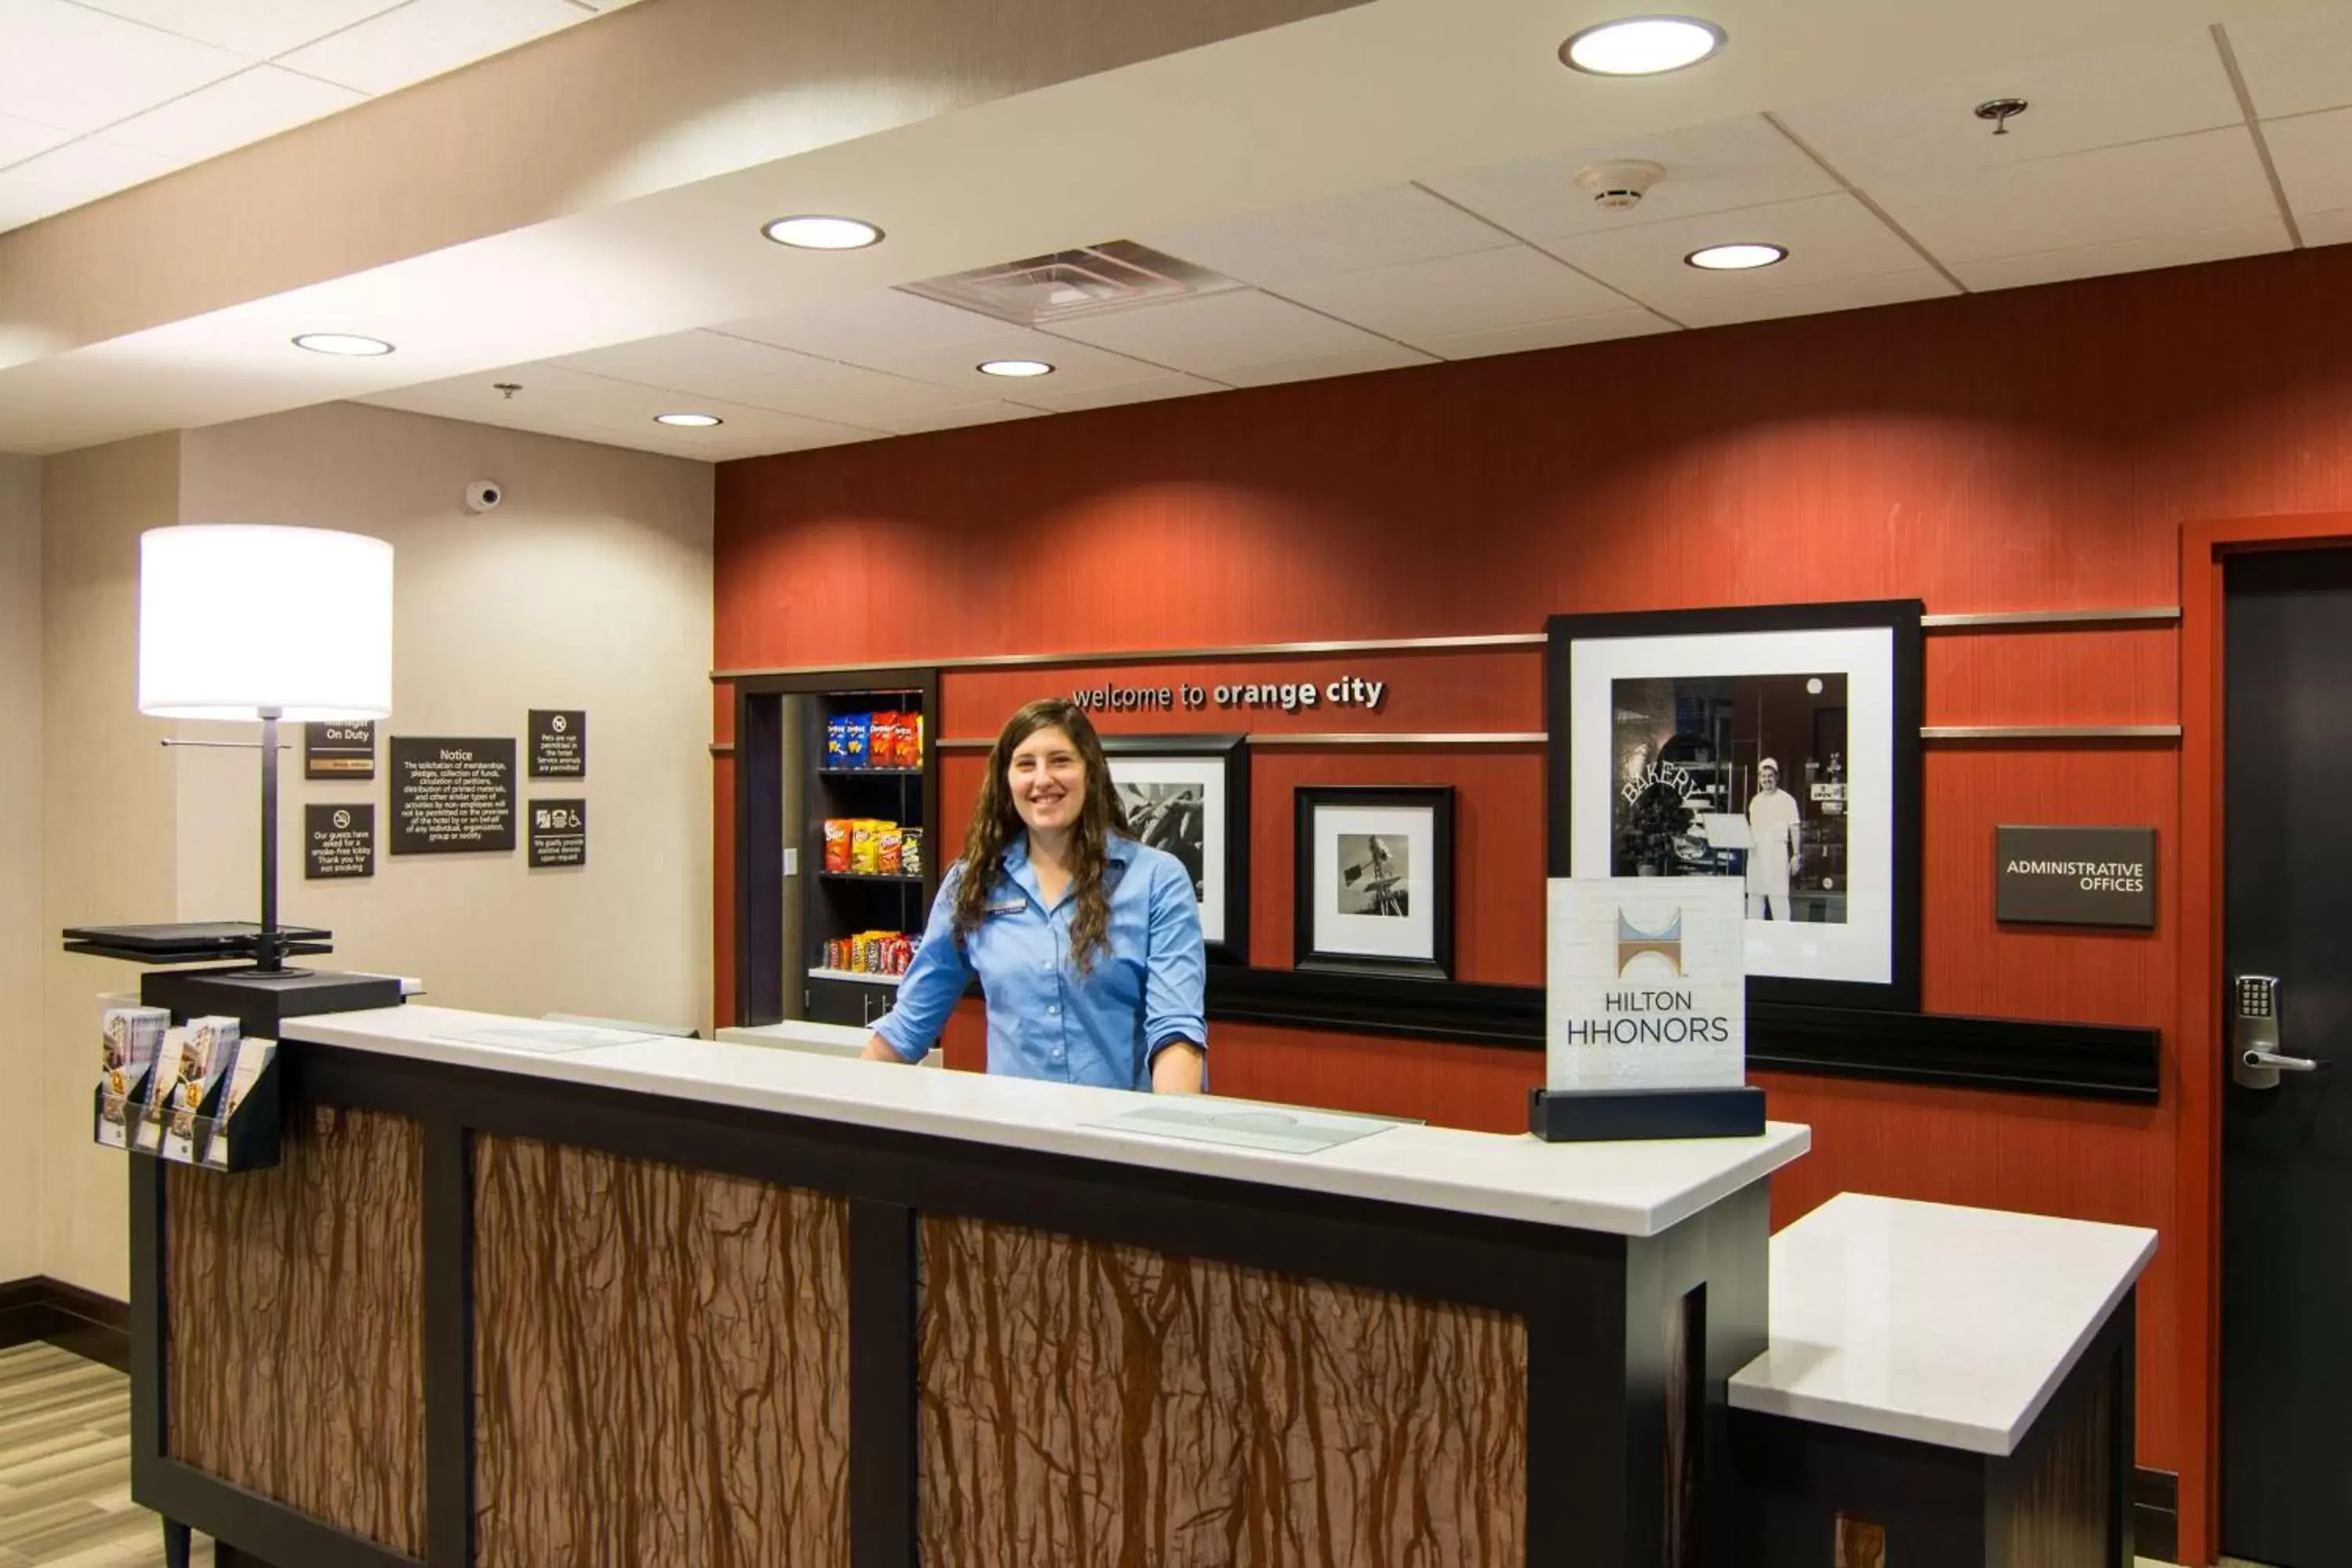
(1646, 987)
(1633, 943)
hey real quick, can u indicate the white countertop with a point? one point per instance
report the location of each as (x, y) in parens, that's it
(1951, 1326)
(1630, 1189)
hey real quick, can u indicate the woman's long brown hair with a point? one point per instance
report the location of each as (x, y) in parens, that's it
(995, 824)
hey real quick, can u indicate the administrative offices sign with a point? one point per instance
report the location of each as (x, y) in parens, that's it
(452, 795)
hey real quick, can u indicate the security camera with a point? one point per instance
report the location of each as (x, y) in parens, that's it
(484, 495)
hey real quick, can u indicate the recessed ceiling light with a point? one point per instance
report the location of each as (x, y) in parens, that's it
(1015, 367)
(1641, 45)
(691, 421)
(814, 232)
(341, 344)
(1737, 258)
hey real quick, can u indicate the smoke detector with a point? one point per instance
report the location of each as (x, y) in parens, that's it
(1620, 184)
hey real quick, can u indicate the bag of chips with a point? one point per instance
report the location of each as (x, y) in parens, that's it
(910, 851)
(864, 847)
(836, 844)
(882, 743)
(889, 848)
(837, 741)
(859, 729)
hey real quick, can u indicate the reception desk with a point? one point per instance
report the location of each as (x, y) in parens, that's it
(723, 1306)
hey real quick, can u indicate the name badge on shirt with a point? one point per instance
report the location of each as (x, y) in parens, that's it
(1008, 907)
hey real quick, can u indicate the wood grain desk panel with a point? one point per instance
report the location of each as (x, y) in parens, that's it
(662, 1364)
(294, 1324)
(1084, 1403)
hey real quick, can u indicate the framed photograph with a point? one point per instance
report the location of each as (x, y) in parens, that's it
(1778, 745)
(1189, 794)
(1374, 889)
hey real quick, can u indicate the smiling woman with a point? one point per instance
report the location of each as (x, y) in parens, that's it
(1086, 942)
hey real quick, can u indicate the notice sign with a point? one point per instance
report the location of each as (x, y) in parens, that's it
(2075, 875)
(338, 750)
(559, 743)
(452, 796)
(559, 832)
(338, 841)
(1646, 982)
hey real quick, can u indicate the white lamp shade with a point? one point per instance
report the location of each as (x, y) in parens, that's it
(235, 618)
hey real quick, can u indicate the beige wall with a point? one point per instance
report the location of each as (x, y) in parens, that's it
(21, 943)
(589, 588)
(107, 830)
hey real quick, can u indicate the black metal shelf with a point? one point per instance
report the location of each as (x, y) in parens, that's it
(868, 876)
(870, 772)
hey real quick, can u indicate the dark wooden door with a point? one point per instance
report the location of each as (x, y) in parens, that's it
(2286, 1307)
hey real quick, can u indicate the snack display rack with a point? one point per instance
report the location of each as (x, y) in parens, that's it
(842, 901)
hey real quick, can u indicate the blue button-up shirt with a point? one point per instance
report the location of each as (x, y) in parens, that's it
(1045, 1019)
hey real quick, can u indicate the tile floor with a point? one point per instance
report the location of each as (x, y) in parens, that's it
(65, 1467)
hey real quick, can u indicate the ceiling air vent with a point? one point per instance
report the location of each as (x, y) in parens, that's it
(1043, 289)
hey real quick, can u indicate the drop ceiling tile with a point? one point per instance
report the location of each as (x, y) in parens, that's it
(1212, 334)
(427, 38)
(1482, 291)
(712, 364)
(2313, 154)
(1819, 298)
(554, 395)
(2325, 228)
(2183, 184)
(69, 175)
(2165, 88)
(247, 108)
(2126, 256)
(877, 324)
(1072, 399)
(2295, 61)
(995, 413)
(257, 30)
(1378, 227)
(1547, 335)
(1322, 367)
(80, 69)
(957, 365)
(1827, 237)
(21, 138)
(1709, 168)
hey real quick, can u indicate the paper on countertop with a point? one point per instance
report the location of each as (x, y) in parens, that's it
(1246, 1126)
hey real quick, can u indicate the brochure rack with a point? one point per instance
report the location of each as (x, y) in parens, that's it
(247, 1140)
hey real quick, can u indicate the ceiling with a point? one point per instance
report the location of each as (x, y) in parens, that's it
(1367, 238)
(97, 96)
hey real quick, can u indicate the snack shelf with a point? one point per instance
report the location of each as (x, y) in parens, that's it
(868, 876)
(870, 772)
(855, 976)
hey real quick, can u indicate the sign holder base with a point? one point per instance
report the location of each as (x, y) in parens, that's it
(1608, 1115)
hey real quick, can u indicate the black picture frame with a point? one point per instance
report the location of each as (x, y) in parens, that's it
(1907, 689)
(1228, 754)
(1438, 801)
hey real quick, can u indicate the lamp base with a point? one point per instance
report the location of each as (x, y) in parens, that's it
(1607, 1115)
(261, 1002)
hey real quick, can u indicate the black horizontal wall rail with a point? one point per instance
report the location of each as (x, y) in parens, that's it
(2088, 1061)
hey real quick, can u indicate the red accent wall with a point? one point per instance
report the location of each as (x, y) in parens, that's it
(2031, 450)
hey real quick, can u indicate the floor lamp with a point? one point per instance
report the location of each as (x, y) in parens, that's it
(273, 624)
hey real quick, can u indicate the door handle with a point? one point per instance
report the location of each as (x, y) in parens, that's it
(2277, 1063)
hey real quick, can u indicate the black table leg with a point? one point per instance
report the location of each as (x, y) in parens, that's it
(176, 1544)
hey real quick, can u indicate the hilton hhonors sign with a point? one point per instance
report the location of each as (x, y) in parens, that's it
(2075, 875)
(1646, 983)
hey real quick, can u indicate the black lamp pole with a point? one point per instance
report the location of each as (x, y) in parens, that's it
(268, 952)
